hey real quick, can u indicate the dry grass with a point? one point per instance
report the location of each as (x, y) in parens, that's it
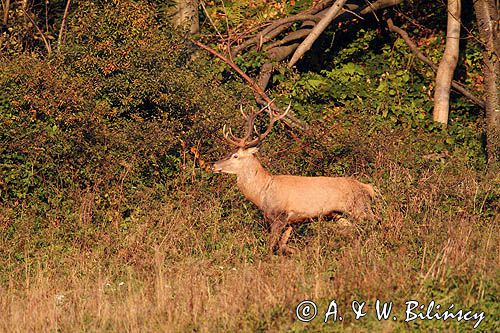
(197, 261)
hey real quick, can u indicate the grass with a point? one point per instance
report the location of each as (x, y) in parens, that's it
(192, 256)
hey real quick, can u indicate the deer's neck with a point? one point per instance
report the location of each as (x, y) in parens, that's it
(254, 182)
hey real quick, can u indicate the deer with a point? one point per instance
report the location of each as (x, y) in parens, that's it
(286, 200)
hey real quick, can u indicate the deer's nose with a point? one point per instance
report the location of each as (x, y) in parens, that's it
(215, 168)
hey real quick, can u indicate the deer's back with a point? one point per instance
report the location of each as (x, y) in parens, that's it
(308, 197)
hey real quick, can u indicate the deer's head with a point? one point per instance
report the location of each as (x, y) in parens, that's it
(239, 160)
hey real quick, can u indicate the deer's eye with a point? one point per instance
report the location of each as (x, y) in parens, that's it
(235, 155)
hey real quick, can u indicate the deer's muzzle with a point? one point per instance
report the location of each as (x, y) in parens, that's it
(216, 168)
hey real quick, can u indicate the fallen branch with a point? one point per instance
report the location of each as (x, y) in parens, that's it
(294, 35)
(316, 31)
(416, 51)
(274, 30)
(279, 50)
(380, 4)
(281, 25)
(253, 85)
(265, 75)
(282, 52)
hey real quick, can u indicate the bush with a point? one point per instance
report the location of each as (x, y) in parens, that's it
(112, 112)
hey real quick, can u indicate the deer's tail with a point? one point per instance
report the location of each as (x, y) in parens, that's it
(369, 189)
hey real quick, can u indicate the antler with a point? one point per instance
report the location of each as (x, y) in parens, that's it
(244, 142)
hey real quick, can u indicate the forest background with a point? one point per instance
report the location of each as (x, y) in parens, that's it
(111, 112)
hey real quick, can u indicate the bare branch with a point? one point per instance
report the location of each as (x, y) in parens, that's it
(265, 75)
(63, 25)
(380, 4)
(255, 87)
(281, 25)
(282, 52)
(42, 35)
(413, 47)
(202, 3)
(238, 70)
(274, 30)
(292, 36)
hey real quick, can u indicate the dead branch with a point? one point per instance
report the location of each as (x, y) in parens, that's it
(42, 35)
(279, 50)
(316, 31)
(292, 36)
(416, 51)
(253, 85)
(380, 4)
(413, 47)
(281, 25)
(202, 3)
(274, 30)
(282, 52)
(265, 75)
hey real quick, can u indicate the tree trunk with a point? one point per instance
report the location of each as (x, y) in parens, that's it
(487, 18)
(6, 7)
(186, 15)
(448, 63)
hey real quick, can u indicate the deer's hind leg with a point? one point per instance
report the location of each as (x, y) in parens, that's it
(360, 207)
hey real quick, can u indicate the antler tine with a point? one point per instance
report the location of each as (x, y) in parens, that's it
(244, 142)
(234, 140)
(250, 124)
(251, 121)
(284, 113)
(272, 120)
(242, 112)
(255, 130)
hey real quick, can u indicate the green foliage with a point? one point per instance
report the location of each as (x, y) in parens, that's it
(251, 61)
(393, 85)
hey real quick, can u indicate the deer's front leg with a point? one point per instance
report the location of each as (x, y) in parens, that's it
(277, 225)
(284, 249)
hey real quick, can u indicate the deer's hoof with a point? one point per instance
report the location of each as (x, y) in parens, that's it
(286, 250)
(342, 222)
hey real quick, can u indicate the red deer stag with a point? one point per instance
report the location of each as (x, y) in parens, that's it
(287, 199)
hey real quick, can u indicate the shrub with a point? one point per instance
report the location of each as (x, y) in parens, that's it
(111, 113)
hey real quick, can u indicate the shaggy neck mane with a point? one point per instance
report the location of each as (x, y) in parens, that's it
(254, 181)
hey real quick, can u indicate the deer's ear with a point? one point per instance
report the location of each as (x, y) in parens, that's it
(252, 150)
